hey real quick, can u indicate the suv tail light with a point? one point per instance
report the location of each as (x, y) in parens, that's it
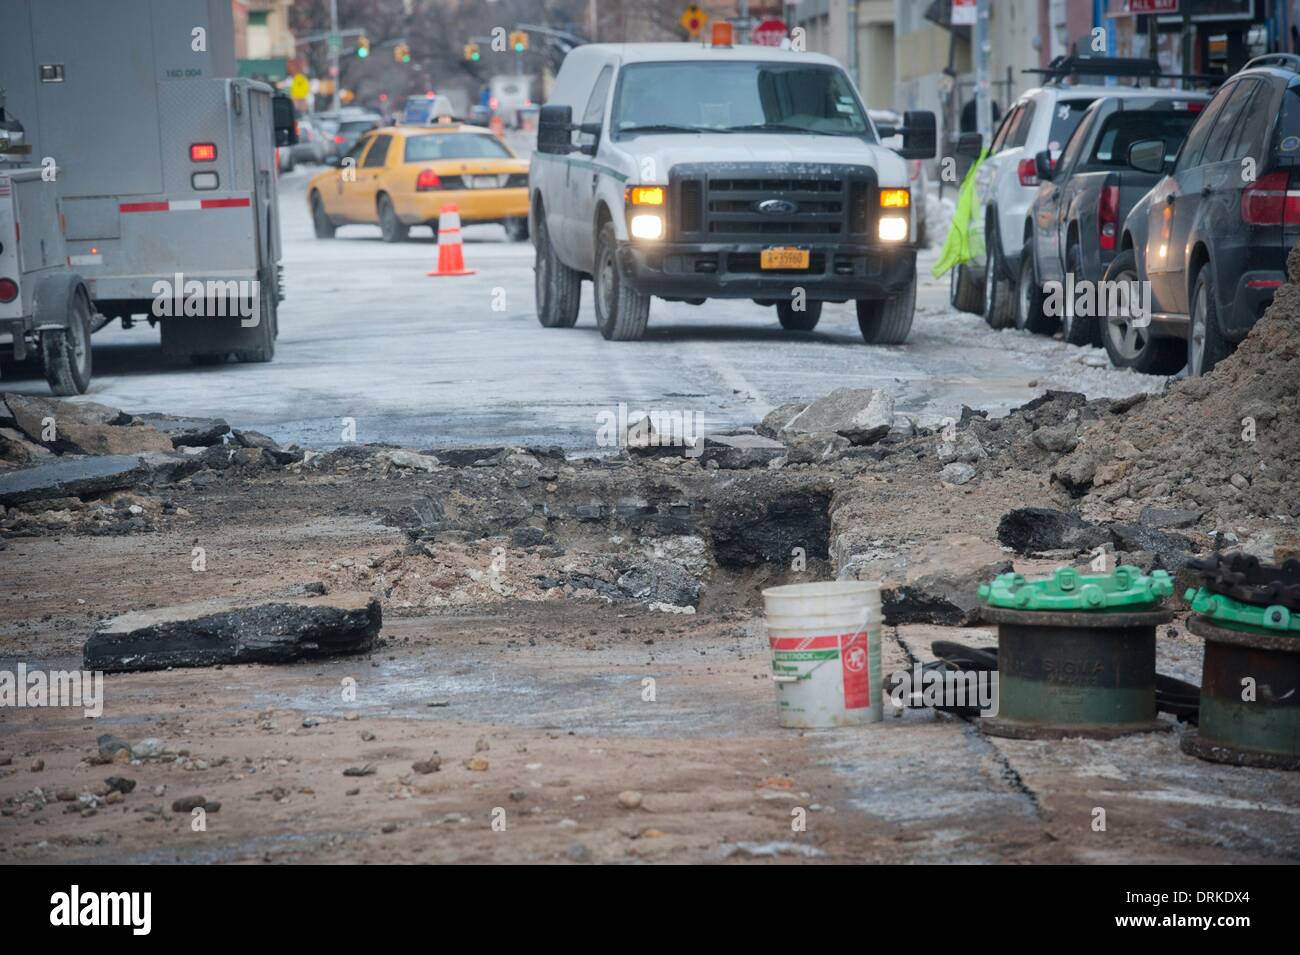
(1027, 172)
(1268, 201)
(427, 181)
(1108, 217)
(8, 290)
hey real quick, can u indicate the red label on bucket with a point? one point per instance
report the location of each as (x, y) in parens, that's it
(857, 676)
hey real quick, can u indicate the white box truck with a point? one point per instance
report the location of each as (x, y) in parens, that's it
(167, 165)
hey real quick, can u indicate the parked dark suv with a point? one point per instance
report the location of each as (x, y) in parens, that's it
(1072, 229)
(1212, 236)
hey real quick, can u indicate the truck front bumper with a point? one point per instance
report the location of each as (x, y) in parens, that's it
(836, 272)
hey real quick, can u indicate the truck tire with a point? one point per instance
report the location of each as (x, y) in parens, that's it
(556, 287)
(65, 351)
(264, 334)
(799, 321)
(1136, 348)
(390, 227)
(999, 296)
(887, 321)
(964, 292)
(1206, 346)
(320, 220)
(621, 312)
(1029, 300)
(516, 229)
(1078, 329)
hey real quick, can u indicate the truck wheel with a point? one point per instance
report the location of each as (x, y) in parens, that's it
(66, 351)
(556, 287)
(1206, 346)
(264, 334)
(1078, 329)
(621, 312)
(888, 321)
(1132, 347)
(1029, 300)
(964, 293)
(516, 229)
(321, 221)
(799, 321)
(391, 227)
(999, 297)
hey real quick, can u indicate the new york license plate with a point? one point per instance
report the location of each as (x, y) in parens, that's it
(484, 182)
(783, 258)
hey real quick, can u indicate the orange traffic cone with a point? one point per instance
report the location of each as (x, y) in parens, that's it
(451, 254)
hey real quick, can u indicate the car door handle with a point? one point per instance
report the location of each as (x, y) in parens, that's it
(1207, 190)
(1169, 199)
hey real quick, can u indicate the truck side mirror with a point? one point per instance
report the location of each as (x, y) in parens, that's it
(555, 129)
(1044, 166)
(919, 138)
(969, 146)
(1147, 155)
(284, 120)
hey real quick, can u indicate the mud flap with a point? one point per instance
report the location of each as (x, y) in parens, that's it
(184, 337)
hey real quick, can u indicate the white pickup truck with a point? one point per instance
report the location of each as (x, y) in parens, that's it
(693, 172)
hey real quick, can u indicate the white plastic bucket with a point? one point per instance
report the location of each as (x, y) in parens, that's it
(825, 642)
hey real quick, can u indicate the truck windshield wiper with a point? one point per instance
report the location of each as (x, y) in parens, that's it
(670, 128)
(788, 128)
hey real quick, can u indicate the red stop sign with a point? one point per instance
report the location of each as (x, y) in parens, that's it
(768, 33)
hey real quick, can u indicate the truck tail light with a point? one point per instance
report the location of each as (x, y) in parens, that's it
(8, 290)
(203, 152)
(1027, 172)
(1268, 201)
(1108, 217)
(427, 181)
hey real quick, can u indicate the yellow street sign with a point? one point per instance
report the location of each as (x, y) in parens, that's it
(693, 20)
(300, 88)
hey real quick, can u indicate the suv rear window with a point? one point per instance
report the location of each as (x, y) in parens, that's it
(1067, 114)
(437, 146)
(1124, 129)
(1288, 135)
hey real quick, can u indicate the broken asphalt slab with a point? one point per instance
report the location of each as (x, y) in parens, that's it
(225, 631)
(72, 477)
(83, 427)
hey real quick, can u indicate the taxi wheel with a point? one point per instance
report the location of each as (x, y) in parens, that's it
(516, 229)
(320, 220)
(393, 229)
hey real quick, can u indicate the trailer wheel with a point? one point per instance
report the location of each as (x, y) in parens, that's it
(320, 220)
(264, 349)
(62, 301)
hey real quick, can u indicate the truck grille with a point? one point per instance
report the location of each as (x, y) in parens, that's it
(825, 202)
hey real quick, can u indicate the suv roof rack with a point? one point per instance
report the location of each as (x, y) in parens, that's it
(1287, 61)
(1065, 66)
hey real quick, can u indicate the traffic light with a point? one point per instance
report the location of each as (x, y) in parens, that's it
(519, 41)
(363, 47)
(471, 52)
(402, 53)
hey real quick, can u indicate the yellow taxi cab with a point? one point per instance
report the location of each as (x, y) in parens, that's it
(400, 176)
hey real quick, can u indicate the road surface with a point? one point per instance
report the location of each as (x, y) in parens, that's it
(426, 362)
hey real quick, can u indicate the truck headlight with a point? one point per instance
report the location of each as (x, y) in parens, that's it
(893, 228)
(647, 225)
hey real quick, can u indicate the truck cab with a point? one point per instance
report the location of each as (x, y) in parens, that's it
(692, 172)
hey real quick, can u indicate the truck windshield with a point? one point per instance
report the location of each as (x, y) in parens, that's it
(454, 146)
(725, 96)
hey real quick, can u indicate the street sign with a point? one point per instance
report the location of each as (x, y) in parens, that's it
(1153, 6)
(693, 20)
(963, 13)
(768, 33)
(300, 88)
(335, 44)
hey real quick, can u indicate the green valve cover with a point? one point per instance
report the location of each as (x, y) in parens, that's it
(1128, 588)
(1227, 612)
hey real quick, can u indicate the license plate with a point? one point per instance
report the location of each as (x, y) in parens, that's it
(784, 259)
(484, 182)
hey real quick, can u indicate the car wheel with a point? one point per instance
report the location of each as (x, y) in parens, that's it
(799, 320)
(887, 321)
(556, 287)
(320, 220)
(964, 293)
(1128, 345)
(66, 351)
(1077, 329)
(621, 311)
(516, 229)
(1029, 299)
(1206, 346)
(999, 297)
(392, 228)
